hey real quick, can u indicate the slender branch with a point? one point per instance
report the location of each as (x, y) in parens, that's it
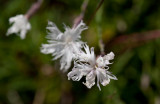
(41, 92)
(101, 44)
(94, 13)
(125, 42)
(39, 96)
(34, 8)
(99, 28)
(81, 16)
(137, 37)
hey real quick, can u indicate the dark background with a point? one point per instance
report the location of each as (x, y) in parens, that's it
(129, 28)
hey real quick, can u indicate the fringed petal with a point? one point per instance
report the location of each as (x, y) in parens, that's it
(90, 80)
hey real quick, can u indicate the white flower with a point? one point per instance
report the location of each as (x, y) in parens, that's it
(87, 65)
(63, 45)
(20, 25)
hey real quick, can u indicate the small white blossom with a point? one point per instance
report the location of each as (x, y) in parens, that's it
(87, 65)
(20, 25)
(63, 45)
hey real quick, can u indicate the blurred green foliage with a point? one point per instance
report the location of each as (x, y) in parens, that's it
(30, 77)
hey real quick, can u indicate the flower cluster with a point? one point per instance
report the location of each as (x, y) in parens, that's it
(20, 25)
(91, 67)
(68, 47)
(63, 45)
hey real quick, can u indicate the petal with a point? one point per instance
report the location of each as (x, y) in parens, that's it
(66, 60)
(111, 76)
(85, 68)
(100, 62)
(102, 77)
(90, 80)
(109, 56)
(75, 75)
(17, 17)
(86, 55)
(79, 28)
(53, 28)
(28, 26)
(47, 48)
(53, 31)
(23, 34)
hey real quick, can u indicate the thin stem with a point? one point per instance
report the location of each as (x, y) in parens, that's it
(126, 42)
(136, 37)
(99, 28)
(101, 44)
(94, 13)
(81, 16)
(39, 96)
(41, 92)
(33, 9)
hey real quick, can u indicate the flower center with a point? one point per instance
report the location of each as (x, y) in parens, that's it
(68, 39)
(95, 66)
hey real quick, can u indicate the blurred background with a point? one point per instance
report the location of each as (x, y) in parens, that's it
(129, 28)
